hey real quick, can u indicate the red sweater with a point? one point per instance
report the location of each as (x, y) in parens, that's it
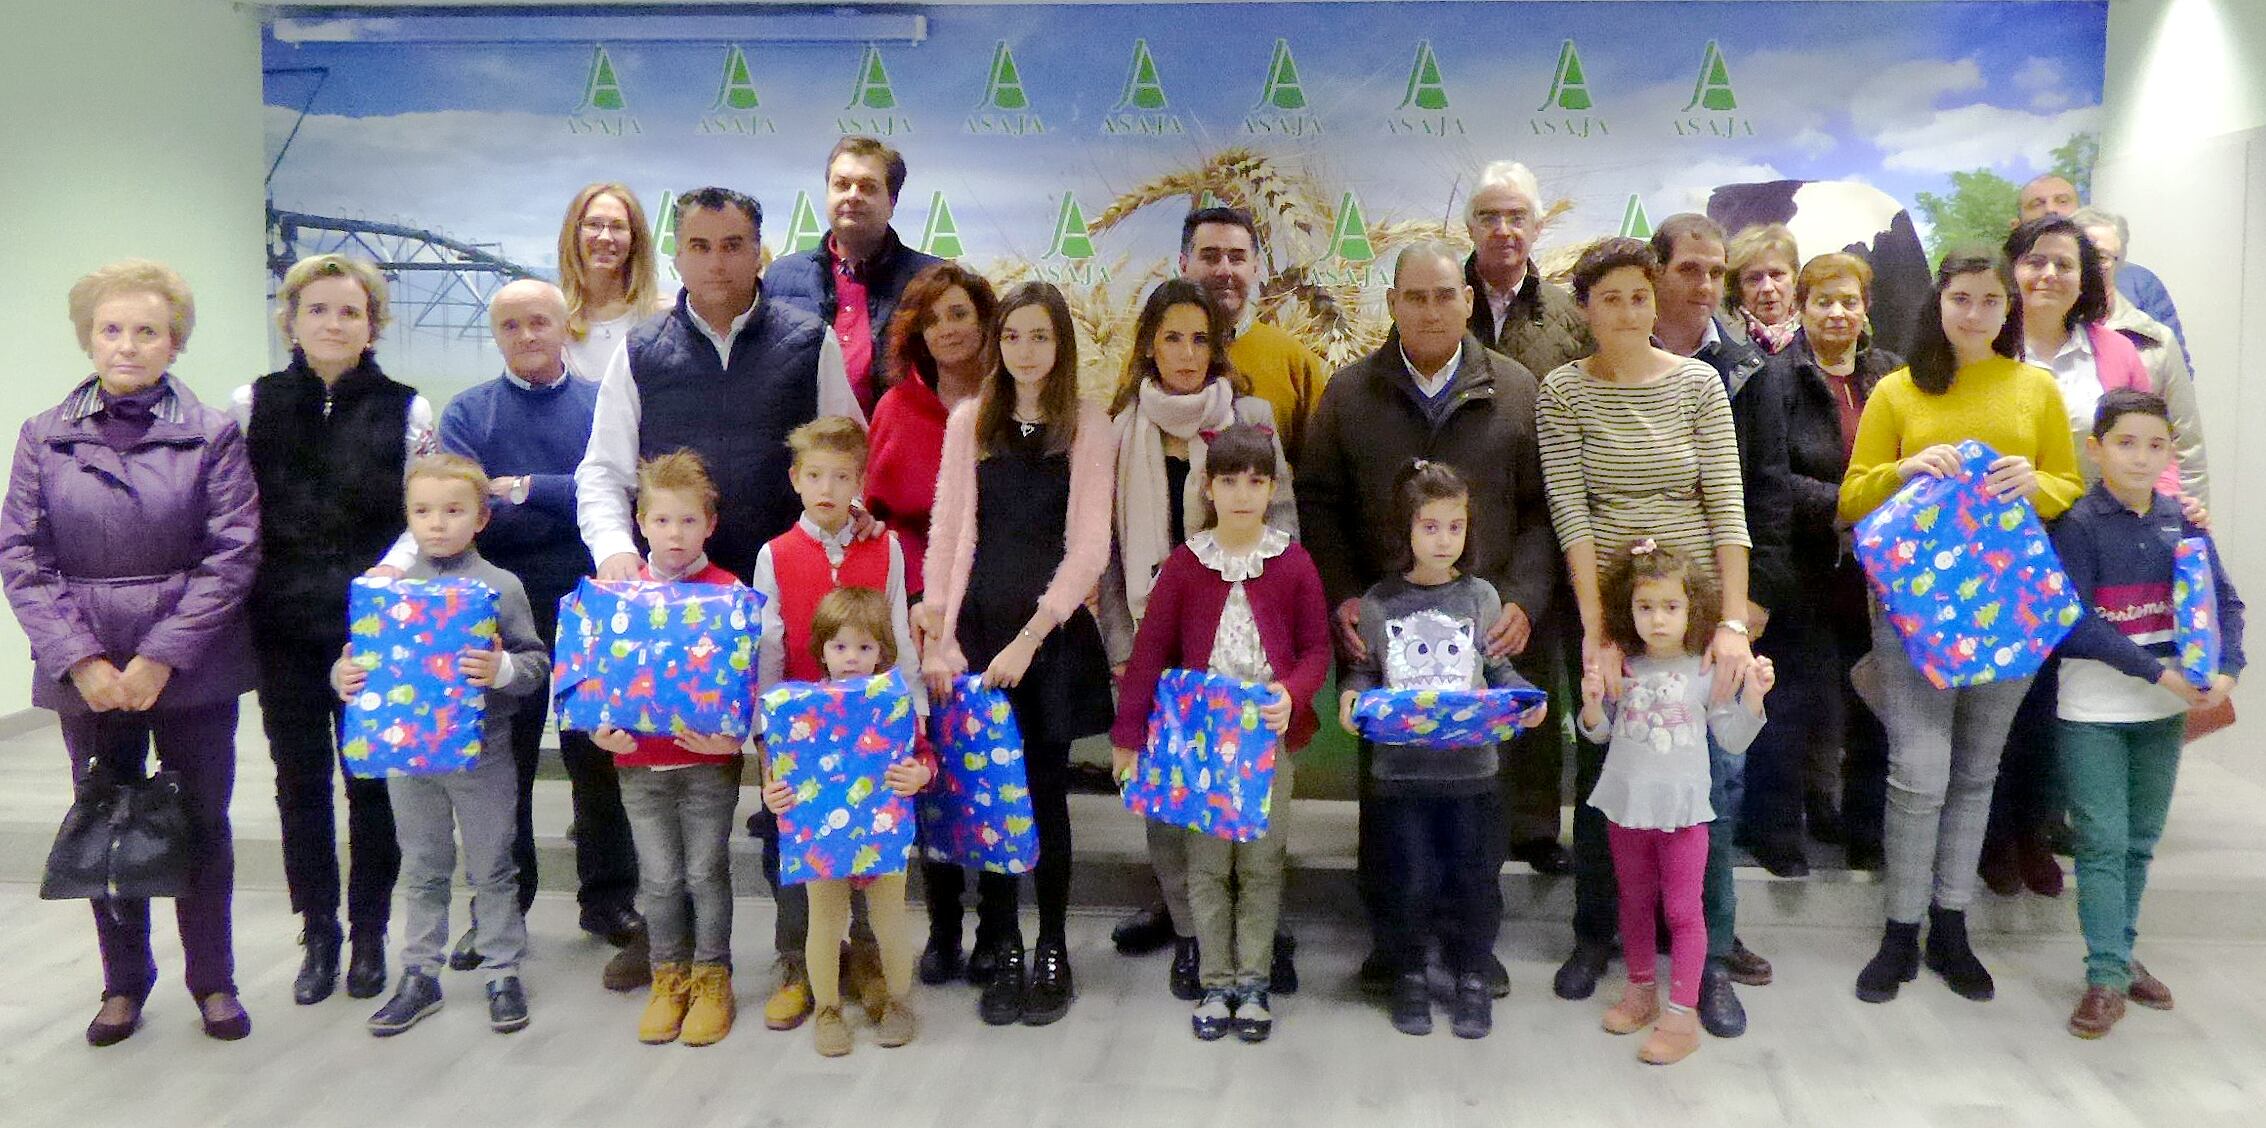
(664, 751)
(1183, 616)
(906, 444)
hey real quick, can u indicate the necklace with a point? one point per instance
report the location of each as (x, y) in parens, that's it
(1029, 427)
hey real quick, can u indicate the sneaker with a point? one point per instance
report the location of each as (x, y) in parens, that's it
(790, 1004)
(1674, 1038)
(830, 1032)
(419, 995)
(1254, 1022)
(466, 955)
(1473, 1013)
(1412, 1004)
(507, 1005)
(1001, 1003)
(665, 1009)
(862, 978)
(630, 968)
(1638, 1008)
(1214, 1016)
(709, 1018)
(1186, 979)
(898, 1025)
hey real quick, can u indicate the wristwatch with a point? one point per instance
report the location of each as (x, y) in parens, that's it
(1735, 626)
(519, 487)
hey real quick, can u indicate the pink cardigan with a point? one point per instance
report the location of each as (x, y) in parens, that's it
(952, 523)
(2117, 364)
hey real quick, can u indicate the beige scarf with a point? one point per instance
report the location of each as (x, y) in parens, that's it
(1144, 512)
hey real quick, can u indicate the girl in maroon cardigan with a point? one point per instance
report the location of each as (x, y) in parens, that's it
(1240, 600)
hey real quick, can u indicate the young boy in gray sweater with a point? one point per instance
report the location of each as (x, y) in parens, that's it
(446, 498)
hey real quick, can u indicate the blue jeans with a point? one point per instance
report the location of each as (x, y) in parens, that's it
(681, 820)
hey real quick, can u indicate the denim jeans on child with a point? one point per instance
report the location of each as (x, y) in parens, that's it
(430, 813)
(1439, 864)
(681, 820)
(2118, 779)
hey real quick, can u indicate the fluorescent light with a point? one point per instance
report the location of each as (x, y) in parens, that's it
(798, 26)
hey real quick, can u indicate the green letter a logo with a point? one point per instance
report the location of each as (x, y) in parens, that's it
(1071, 238)
(1349, 235)
(1569, 87)
(665, 226)
(1283, 91)
(1003, 90)
(738, 89)
(1425, 90)
(803, 229)
(1713, 91)
(603, 91)
(872, 91)
(941, 236)
(1634, 223)
(1142, 89)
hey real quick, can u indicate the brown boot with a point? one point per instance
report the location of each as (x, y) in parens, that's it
(1673, 1039)
(710, 1016)
(2147, 990)
(862, 978)
(831, 1032)
(665, 1010)
(1639, 1006)
(631, 967)
(2096, 1012)
(2041, 871)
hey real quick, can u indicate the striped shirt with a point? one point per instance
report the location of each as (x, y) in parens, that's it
(1657, 460)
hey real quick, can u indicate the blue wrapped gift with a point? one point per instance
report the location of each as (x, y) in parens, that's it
(657, 658)
(978, 812)
(417, 715)
(831, 741)
(1971, 583)
(1210, 762)
(2195, 611)
(1443, 718)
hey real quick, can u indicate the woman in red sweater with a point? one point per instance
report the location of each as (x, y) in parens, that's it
(937, 357)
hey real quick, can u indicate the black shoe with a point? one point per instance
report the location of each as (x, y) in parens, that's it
(1143, 931)
(1949, 955)
(507, 1005)
(983, 962)
(1377, 974)
(941, 961)
(100, 1033)
(234, 1027)
(1412, 1004)
(1545, 855)
(630, 969)
(1498, 978)
(1473, 1013)
(1254, 1020)
(466, 955)
(1747, 969)
(1282, 972)
(419, 995)
(1866, 857)
(318, 969)
(1824, 819)
(1051, 985)
(366, 965)
(1186, 980)
(1001, 1003)
(1782, 860)
(1720, 1012)
(615, 924)
(1577, 977)
(1215, 1015)
(1897, 963)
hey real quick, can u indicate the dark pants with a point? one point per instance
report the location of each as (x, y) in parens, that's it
(1047, 765)
(605, 858)
(1533, 771)
(1777, 769)
(1864, 763)
(199, 743)
(300, 715)
(1597, 912)
(2028, 795)
(1439, 863)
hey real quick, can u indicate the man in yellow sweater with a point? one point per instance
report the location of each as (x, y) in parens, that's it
(1219, 250)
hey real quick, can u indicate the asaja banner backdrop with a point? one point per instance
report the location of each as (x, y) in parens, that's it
(1066, 142)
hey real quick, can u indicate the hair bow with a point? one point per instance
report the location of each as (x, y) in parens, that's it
(1214, 435)
(1643, 546)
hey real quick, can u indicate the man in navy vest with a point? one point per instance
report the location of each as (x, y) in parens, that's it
(725, 374)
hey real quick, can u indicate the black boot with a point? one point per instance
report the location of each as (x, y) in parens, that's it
(1897, 963)
(1577, 977)
(1720, 1012)
(1950, 956)
(1472, 1015)
(318, 970)
(1002, 1001)
(941, 962)
(366, 964)
(1282, 975)
(1186, 980)
(984, 960)
(1051, 986)
(1412, 1004)
(1142, 931)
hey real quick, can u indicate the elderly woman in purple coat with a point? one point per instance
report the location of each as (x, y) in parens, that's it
(127, 543)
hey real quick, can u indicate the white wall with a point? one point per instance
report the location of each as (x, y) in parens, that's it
(132, 129)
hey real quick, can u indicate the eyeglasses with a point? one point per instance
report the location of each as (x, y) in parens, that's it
(604, 227)
(1490, 219)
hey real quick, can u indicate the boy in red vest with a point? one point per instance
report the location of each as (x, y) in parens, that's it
(794, 571)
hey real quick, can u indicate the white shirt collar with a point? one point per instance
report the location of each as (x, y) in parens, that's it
(532, 386)
(1431, 385)
(699, 564)
(2078, 346)
(723, 341)
(838, 539)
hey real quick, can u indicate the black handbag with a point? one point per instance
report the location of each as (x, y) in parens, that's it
(127, 834)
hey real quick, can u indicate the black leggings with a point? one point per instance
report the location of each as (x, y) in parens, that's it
(1048, 768)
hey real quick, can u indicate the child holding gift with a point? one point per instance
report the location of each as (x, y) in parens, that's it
(1436, 811)
(2123, 697)
(822, 554)
(680, 791)
(447, 504)
(1661, 612)
(855, 633)
(1240, 600)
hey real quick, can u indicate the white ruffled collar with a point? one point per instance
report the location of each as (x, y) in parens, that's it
(1241, 566)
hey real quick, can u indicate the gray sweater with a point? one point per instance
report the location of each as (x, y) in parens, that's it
(526, 668)
(1429, 638)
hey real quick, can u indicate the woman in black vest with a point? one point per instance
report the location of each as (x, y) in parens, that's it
(329, 436)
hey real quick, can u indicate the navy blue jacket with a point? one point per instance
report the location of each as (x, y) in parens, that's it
(1758, 413)
(2120, 565)
(806, 281)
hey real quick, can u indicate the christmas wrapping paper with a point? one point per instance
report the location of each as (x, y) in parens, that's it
(1443, 718)
(978, 813)
(417, 715)
(831, 742)
(657, 658)
(2195, 611)
(1210, 762)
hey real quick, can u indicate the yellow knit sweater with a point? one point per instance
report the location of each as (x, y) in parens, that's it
(1285, 373)
(2011, 407)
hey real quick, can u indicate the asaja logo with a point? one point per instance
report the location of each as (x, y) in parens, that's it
(873, 101)
(940, 236)
(1634, 223)
(1281, 111)
(1006, 106)
(604, 109)
(665, 232)
(804, 231)
(1565, 111)
(1424, 104)
(1714, 101)
(736, 100)
(1351, 259)
(1141, 109)
(1073, 244)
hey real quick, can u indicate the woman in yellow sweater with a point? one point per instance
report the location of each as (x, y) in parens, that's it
(1963, 382)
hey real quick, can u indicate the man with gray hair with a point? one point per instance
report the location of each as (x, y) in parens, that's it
(1431, 392)
(527, 428)
(2159, 347)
